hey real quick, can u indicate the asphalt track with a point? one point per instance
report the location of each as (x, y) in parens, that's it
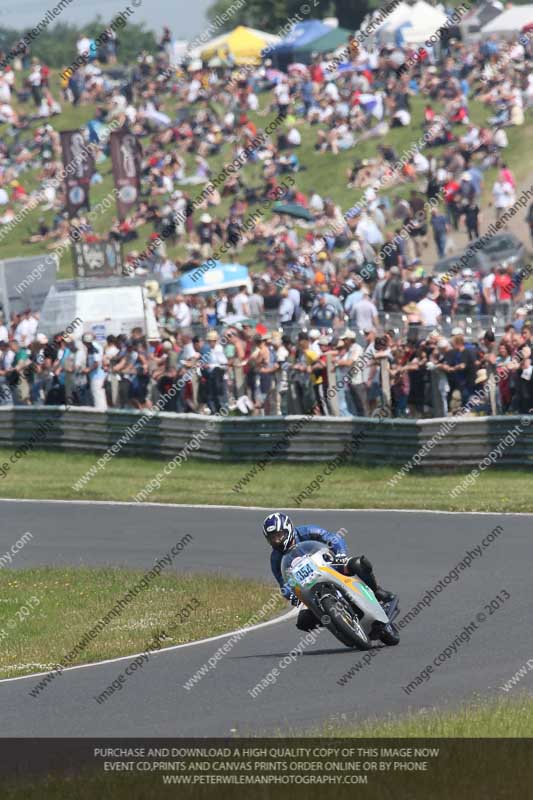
(412, 551)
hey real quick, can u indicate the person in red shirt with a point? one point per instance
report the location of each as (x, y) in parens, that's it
(18, 193)
(451, 195)
(429, 114)
(317, 73)
(248, 127)
(503, 289)
(45, 75)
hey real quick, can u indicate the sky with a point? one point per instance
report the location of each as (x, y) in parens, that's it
(185, 18)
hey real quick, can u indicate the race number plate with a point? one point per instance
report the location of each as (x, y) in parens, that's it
(304, 573)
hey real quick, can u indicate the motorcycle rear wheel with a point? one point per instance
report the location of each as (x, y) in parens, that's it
(351, 635)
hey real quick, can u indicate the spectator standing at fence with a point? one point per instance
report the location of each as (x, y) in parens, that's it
(462, 374)
(342, 376)
(267, 366)
(319, 377)
(356, 389)
(95, 373)
(523, 399)
(215, 365)
(400, 383)
(282, 347)
(5, 390)
(301, 391)
(68, 364)
(21, 373)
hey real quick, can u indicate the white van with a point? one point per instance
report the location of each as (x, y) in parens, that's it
(103, 312)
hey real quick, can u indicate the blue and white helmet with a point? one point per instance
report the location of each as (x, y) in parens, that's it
(279, 531)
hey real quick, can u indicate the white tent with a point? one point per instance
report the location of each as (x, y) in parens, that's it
(425, 21)
(510, 21)
(418, 22)
(400, 14)
(478, 16)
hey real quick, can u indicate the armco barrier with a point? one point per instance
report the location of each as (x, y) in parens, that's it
(291, 439)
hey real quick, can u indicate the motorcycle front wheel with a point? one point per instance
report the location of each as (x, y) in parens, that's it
(344, 623)
(390, 635)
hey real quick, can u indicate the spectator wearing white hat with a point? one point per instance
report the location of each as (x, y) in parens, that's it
(95, 373)
(181, 313)
(314, 336)
(215, 363)
(205, 233)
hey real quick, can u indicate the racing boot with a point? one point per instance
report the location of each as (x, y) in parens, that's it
(362, 567)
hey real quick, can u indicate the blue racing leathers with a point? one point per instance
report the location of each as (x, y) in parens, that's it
(307, 533)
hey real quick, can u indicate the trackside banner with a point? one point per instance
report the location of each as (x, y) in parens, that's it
(78, 164)
(126, 160)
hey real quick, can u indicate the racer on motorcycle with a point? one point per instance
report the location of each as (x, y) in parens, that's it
(281, 534)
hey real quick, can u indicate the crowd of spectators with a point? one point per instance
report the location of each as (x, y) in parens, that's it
(351, 279)
(413, 372)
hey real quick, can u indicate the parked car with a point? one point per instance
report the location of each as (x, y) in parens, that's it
(502, 248)
(452, 265)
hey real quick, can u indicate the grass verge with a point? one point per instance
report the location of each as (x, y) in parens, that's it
(475, 769)
(508, 718)
(46, 612)
(51, 475)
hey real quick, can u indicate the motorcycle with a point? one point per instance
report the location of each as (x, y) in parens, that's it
(345, 605)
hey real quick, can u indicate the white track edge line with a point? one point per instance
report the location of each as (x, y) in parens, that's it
(268, 508)
(173, 647)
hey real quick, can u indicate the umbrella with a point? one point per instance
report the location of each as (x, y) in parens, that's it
(346, 67)
(293, 210)
(298, 69)
(274, 75)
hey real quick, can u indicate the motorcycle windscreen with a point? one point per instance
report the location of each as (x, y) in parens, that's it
(300, 551)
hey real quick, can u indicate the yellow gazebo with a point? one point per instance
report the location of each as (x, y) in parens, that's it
(243, 44)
